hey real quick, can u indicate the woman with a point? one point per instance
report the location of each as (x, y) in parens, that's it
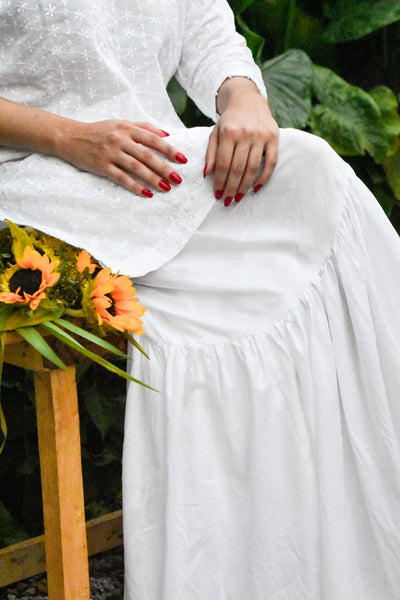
(268, 464)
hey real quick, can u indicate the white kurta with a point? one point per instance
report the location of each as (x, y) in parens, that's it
(267, 468)
(101, 59)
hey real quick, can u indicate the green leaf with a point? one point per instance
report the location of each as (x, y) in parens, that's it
(254, 41)
(239, 6)
(72, 343)
(386, 135)
(177, 95)
(3, 424)
(33, 337)
(20, 239)
(134, 343)
(354, 20)
(392, 169)
(99, 407)
(90, 337)
(350, 119)
(288, 78)
(5, 312)
(25, 317)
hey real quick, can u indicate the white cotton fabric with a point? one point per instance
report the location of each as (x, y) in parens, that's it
(268, 465)
(96, 59)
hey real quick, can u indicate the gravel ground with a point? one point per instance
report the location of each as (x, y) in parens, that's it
(106, 580)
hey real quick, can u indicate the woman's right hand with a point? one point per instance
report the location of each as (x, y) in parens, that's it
(122, 151)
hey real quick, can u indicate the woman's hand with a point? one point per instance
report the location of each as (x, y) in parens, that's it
(245, 134)
(123, 152)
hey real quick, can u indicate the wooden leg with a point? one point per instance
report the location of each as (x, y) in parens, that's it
(62, 489)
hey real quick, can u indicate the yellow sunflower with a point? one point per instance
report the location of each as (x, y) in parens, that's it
(115, 303)
(26, 281)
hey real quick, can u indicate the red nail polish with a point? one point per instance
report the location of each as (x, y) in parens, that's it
(257, 188)
(205, 171)
(147, 192)
(218, 194)
(166, 134)
(164, 185)
(175, 178)
(228, 200)
(181, 157)
(238, 197)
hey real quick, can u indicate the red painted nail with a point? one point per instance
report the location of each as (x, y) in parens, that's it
(166, 134)
(181, 157)
(175, 178)
(228, 200)
(164, 185)
(238, 197)
(257, 188)
(218, 194)
(147, 192)
(205, 171)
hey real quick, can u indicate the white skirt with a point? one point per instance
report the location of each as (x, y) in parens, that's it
(268, 465)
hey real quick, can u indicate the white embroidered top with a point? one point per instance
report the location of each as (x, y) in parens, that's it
(100, 59)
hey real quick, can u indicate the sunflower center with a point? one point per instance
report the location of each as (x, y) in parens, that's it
(28, 280)
(111, 309)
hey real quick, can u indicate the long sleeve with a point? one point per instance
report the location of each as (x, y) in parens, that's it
(212, 51)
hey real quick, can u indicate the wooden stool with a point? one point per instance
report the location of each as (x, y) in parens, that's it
(61, 473)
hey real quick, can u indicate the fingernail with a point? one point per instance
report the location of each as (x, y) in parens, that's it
(175, 178)
(238, 197)
(228, 200)
(218, 194)
(205, 171)
(257, 188)
(166, 134)
(147, 192)
(164, 185)
(181, 157)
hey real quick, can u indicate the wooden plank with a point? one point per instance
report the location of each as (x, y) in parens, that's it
(21, 354)
(28, 558)
(62, 489)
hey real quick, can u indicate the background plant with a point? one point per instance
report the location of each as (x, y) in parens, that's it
(331, 67)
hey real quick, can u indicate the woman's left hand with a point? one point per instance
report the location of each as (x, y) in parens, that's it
(245, 134)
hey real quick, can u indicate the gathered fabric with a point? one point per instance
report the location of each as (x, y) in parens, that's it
(267, 466)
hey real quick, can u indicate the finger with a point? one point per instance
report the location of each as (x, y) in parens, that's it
(211, 153)
(223, 162)
(153, 129)
(117, 175)
(150, 168)
(271, 157)
(236, 172)
(253, 165)
(153, 141)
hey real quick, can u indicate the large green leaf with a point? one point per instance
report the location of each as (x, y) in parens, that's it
(254, 41)
(392, 169)
(288, 78)
(239, 6)
(351, 120)
(177, 95)
(354, 19)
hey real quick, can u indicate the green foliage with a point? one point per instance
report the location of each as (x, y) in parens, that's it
(289, 78)
(354, 20)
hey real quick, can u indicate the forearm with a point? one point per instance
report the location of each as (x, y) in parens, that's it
(28, 128)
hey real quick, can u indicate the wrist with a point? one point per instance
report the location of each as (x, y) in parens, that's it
(234, 87)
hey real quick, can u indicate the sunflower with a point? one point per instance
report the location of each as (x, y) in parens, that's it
(26, 281)
(114, 301)
(84, 261)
